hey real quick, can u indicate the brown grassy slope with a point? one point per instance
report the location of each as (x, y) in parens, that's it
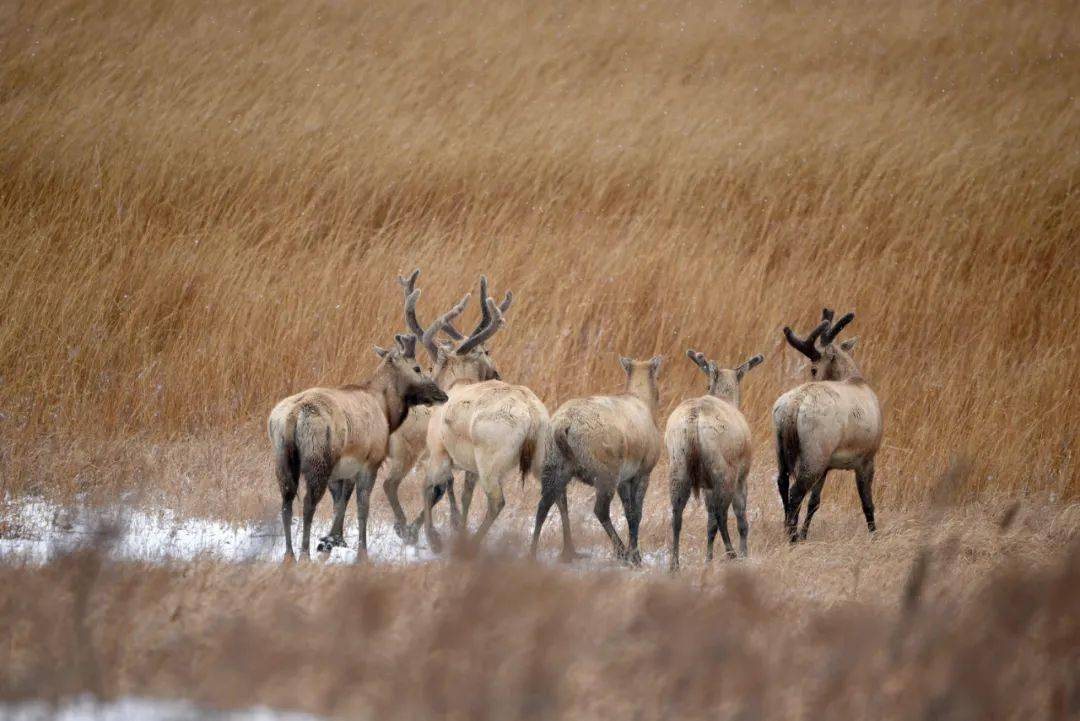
(202, 208)
(954, 631)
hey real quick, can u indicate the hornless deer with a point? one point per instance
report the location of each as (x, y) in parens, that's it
(336, 433)
(708, 442)
(487, 428)
(832, 422)
(610, 443)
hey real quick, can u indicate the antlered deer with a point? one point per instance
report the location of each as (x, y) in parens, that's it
(336, 433)
(708, 442)
(832, 422)
(610, 443)
(487, 428)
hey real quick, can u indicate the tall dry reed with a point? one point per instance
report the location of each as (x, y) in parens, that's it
(203, 205)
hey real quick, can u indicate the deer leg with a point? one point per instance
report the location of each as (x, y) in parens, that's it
(364, 482)
(312, 495)
(864, 478)
(451, 497)
(287, 483)
(721, 522)
(413, 530)
(466, 498)
(812, 506)
(710, 531)
(438, 473)
(341, 490)
(602, 509)
(804, 481)
(395, 474)
(680, 494)
(738, 504)
(783, 474)
(496, 501)
(569, 553)
(626, 496)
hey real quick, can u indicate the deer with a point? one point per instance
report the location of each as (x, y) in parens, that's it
(832, 422)
(611, 443)
(337, 433)
(487, 428)
(709, 449)
(407, 442)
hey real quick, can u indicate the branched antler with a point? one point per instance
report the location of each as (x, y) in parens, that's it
(834, 330)
(485, 314)
(806, 345)
(699, 360)
(494, 323)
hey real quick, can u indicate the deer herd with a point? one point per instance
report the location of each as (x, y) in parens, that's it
(460, 415)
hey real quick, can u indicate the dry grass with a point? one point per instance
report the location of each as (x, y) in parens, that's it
(202, 208)
(969, 623)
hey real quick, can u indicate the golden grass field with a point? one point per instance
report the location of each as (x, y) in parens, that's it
(204, 206)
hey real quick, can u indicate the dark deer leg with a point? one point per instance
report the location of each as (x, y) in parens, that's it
(495, 503)
(711, 527)
(569, 553)
(312, 495)
(602, 509)
(804, 481)
(466, 499)
(738, 504)
(783, 474)
(438, 476)
(680, 494)
(341, 490)
(287, 483)
(364, 482)
(626, 496)
(812, 505)
(721, 521)
(864, 478)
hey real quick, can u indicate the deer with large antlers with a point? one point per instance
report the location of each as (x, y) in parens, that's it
(407, 443)
(708, 443)
(832, 422)
(487, 428)
(329, 434)
(610, 443)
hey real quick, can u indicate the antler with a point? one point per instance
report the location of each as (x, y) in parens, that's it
(407, 343)
(428, 339)
(699, 360)
(495, 322)
(409, 285)
(485, 315)
(806, 345)
(834, 330)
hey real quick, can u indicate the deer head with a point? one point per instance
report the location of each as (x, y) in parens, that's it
(642, 378)
(829, 361)
(724, 382)
(410, 383)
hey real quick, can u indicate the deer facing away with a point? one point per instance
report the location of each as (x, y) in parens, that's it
(709, 448)
(487, 428)
(329, 434)
(832, 422)
(610, 443)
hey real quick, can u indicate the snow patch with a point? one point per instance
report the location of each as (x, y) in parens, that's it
(86, 708)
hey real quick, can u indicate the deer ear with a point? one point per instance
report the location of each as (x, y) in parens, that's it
(381, 352)
(748, 366)
(848, 345)
(627, 364)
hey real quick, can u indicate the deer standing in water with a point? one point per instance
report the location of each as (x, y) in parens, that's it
(610, 443)
(329, 434)
(709, 448)
(832, 422)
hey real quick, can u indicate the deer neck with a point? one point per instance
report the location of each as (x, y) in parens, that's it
(845, 369)
(642, 387)
(454, 375)
(383, 386)
(725, 394)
